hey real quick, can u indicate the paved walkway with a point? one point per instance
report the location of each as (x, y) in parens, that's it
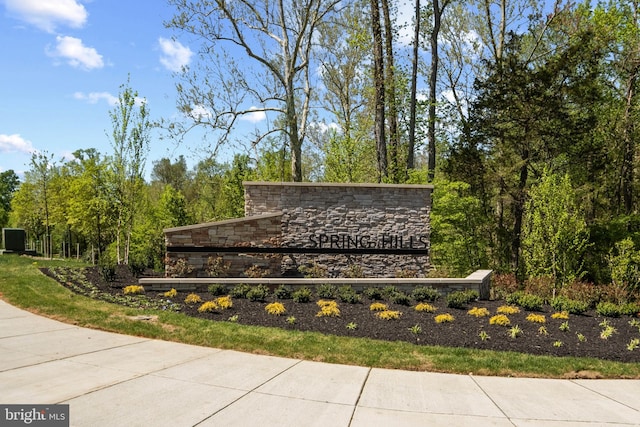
(117, 380)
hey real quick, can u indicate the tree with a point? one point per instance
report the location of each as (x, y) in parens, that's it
(458, 238)
(413, 106)
(91, 209)
(380, 91)
(26, 210)
(256, 57)
(42, 171)
(555, 235)
(175, 174)
(9, 183)
(349, 155)
(130, 140)
(528, 115)
(438, 11)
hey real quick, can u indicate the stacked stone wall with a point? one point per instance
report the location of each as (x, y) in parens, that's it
(388, 216)
(351, 221)
(263, 231)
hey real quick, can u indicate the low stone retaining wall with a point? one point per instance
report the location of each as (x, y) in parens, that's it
(480, 281)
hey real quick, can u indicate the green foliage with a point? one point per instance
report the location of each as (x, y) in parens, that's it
(217, 289)
(624, 262)
(240, 291)
(9, 182)
(373, 293)
(425, 293)
(570, 306)
(608, 309)
(457, 239)
(130, 141)
(282, 292)
(400, 298)
(175, 174)
(460, 299)
(527, 301)
(258, 293)
(326, 291)
(388, 291)
(302, 295)
(630, 309)
(348, 295)
(555, 236)
(349, 158)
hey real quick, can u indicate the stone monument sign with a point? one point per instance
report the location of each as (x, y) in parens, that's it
(376, 230)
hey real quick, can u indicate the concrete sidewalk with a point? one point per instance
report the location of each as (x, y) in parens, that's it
(116, 380)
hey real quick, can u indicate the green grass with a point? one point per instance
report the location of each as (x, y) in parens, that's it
(23, 285)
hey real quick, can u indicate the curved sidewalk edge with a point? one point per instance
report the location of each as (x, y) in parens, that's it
(109, 379)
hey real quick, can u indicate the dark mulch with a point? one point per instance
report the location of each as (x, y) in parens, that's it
(582, 339)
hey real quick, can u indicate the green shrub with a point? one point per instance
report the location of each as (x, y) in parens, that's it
(459, 299)
(569, 305)
(107, 272)
(387, 291)
(514, 297)
(348, 295)
(302, 295)
(216, 289)
(373, 293)
(282, 292)
(240, 291)
(608, 309)
(400, 298)
(630, 309)
(425, 293)
(326, 291)
(530, 302)
(258, 293)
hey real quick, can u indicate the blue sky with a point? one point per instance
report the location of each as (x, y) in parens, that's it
(62, 65)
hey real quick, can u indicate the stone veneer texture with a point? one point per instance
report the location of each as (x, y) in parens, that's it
(393, 214)
(298, 215)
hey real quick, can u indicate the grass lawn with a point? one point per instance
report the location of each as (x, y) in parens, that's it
(24, 286)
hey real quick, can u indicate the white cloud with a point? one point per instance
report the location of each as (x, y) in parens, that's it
(48, 14)
(15, 144)
(255, 116)
(76, 54)
(95, 97)
(174, 54)
(199, 112)
(405, 16)
(323, 127)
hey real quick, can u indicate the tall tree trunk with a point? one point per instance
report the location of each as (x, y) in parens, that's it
(518, 211)
(414, 90)
(392, 115)
(629, 150)
(378, 81)
(433, 80)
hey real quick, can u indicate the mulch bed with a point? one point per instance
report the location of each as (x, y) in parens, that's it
(582, 339)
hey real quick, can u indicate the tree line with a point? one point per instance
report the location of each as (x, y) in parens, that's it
(523, 114)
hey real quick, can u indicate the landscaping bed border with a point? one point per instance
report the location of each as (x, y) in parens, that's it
(478, 281)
